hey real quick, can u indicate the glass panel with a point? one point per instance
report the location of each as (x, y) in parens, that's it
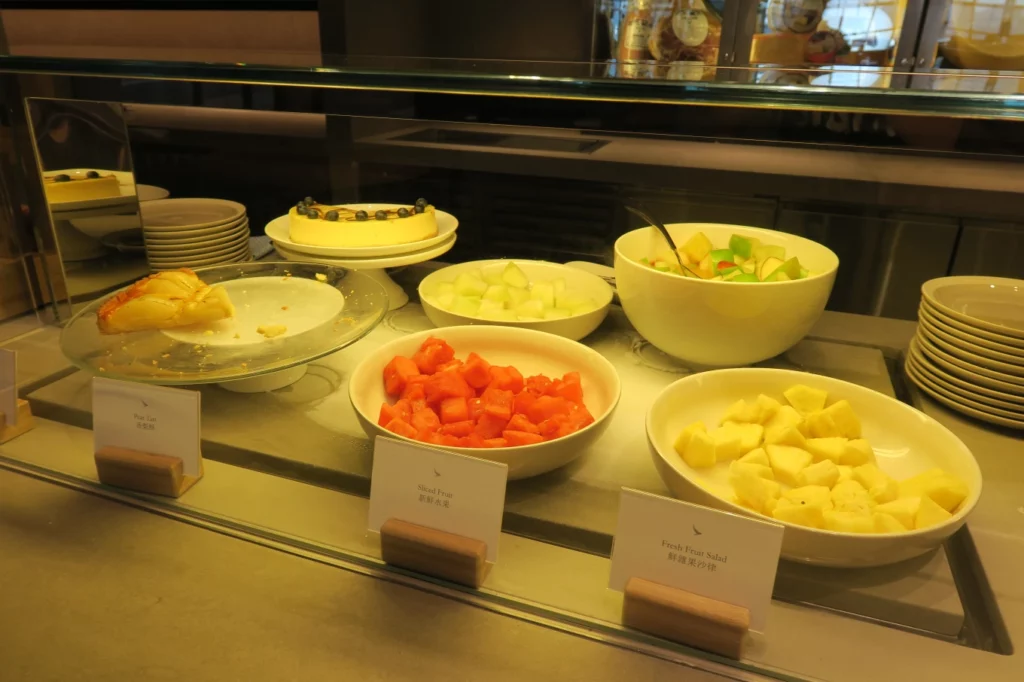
(984, 35)
(669, 39)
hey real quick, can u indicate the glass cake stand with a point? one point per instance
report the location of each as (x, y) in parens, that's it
(321, 308)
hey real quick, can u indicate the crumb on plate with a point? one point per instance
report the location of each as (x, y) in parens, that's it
(271, 330)
(321, 277)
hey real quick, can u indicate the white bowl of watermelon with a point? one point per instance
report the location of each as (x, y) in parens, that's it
(521, 397)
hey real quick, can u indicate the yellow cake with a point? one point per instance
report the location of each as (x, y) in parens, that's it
(64, 187)
(346, 226)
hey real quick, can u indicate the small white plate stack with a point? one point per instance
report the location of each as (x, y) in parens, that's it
(194, 233)
(969, 350)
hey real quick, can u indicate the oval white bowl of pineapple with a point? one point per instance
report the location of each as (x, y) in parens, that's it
(856, 477)
(547, 297)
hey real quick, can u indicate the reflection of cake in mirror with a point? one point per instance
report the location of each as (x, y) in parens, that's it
(349, 226)
(164, 301)
(62, 187)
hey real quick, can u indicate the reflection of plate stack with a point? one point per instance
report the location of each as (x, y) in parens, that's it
(192, 233)
(370, 260)
(969, 350)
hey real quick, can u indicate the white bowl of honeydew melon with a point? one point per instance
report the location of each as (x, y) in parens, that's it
(759, 304)
(857, 478)
(530, 294)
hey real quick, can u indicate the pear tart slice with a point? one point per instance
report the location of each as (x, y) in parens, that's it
(164, 301)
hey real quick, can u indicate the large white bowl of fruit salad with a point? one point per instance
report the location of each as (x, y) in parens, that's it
(856, 477)
(744, 294)
(547, 297)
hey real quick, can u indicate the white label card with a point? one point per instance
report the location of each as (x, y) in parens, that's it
(9, 384)
(437, 489)
(715, 554)
(154, 419)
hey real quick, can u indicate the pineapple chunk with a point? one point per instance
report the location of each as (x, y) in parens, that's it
(824, 473)
(742, 412)
(903, 510)
(752, 490)
(845, 418)
(858, 451)
(930, 514)
(697, 247)
(831, 449)
(750, 435)
(851, 496)
(755, 469)
(845, 473)
(787, 435)
(683, 439)
(785, 418)
(515, 277)
(769, 506)
(887, 523)
(727, 443)
(848, 522)
(787, 461)
(700, 451)
(944, 489)
(810, 516)
(758, 456)
(769, 406)
(806, 399)
(821, 425)
(810, 495)
(885, 492)
(869, 475)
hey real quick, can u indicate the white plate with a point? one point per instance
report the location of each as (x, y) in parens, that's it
(1003, 370)
(995, 304)
(577, 282)
(1012, 398)
(175, 215)
(202, 261)
(184, 236)
(151, 192)
(395, 261)
(906, 442)
(199, 245)
(1000, 341)
(961, 340)
(529, 351)
(950, 400)
(277, 229)
(966, 370)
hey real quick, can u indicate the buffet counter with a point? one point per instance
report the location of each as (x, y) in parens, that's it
(931, 616)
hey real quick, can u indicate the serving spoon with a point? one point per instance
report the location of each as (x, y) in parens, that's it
(664, 233)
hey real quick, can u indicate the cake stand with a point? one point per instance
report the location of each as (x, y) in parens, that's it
(321, 308)
(374, 268)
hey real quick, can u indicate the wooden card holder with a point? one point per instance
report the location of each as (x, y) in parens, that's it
(434, 552)
(13, 426)
(144, 471)
(685, 617)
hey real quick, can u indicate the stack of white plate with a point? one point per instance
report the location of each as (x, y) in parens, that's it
(194, 233)
(969, 350)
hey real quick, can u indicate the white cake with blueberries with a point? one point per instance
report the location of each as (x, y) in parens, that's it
(349, 226)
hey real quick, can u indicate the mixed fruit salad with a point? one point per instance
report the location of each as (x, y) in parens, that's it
(503, 293)
(746, 260)
(807, 464)
(473, 404)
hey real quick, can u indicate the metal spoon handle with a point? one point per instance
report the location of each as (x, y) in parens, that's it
(664, 233)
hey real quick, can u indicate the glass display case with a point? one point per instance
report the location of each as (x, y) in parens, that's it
(825, 132)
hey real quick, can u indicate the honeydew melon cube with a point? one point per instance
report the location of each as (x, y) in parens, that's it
(518, 296)
(466, 305)
(903, 509)
(830, 449)
(743, 247)
(468, 284)
(445, 301)
(515, 277)
(845, 418)
(531, 309)
(758, 456)
(700, 451)
(805, 399)
(848, 522)
(858, 451)
(500, 315)
(559, 286)
(810, 495)
(886, 523)
(752, 490)
(492, 274)
(683, 439)
(543, 292)
(496, 292)
(557, 314)
(787, 462)
(824, 473)
(756, 469)
(930, 514)
(944, 489)
(444, 288)
(490, 307)
(799, 514)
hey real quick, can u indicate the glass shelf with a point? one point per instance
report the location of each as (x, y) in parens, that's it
(990, 95)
